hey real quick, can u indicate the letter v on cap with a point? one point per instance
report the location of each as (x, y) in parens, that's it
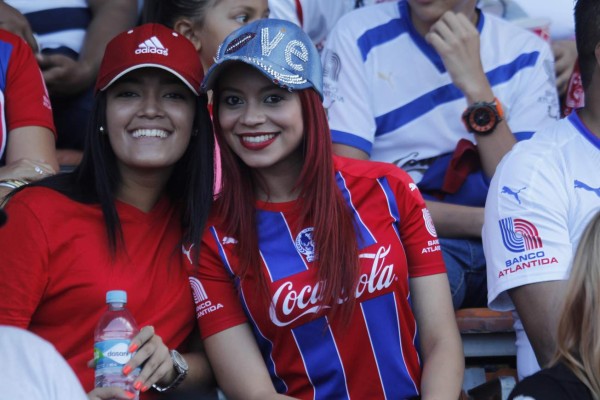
(267, 46)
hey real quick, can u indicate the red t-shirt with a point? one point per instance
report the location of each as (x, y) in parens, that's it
(56, 269)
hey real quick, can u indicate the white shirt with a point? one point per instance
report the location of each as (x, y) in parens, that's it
(66, 31)
(34, 370)
(558, 12)
(542, 196)
(316, 17)
(388, 93)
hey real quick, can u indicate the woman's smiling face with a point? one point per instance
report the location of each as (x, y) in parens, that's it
(260, 121)
(150, 115)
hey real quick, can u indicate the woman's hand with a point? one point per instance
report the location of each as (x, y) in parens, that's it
(109, 393)
(28, 169)
(155, 357)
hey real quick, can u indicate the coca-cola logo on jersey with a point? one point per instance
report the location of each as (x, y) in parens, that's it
(292, 301)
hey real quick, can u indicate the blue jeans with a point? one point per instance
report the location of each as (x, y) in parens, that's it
(465, 264)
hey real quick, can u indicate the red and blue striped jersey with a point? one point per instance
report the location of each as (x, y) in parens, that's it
(24, 100)
(309, 355)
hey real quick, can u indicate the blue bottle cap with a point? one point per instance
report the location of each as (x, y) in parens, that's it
(116, 296)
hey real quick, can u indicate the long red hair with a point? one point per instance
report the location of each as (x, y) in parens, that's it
(322, 205)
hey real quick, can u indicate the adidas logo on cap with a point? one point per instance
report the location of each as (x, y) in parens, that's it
(153, 46)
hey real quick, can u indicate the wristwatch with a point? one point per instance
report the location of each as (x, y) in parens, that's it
(181, 368)
(481, 118)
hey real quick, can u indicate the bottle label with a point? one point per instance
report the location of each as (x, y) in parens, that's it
(112, 353)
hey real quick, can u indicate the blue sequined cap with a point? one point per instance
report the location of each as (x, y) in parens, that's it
(277, 48)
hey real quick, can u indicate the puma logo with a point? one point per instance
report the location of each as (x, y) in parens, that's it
(386, 77)
(514, 193)
(187, 252)
(585, 186)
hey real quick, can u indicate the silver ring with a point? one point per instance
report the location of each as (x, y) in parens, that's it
(38, 170)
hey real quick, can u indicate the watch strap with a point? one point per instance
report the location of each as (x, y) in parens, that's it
(181, 374)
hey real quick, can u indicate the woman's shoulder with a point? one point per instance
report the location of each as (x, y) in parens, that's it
(11, 38)
(41, 199)
(370, 169)
(35, 194)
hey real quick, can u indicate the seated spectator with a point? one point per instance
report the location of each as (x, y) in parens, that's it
(69, 39)
(325, 264)
(34, 370)
(436, 88)
(541, 198)
(26, 128)
(316, 17)
(119, 220)
(574, 374)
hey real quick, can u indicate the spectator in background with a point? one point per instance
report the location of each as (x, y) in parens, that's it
(574, 373)
(541, 198)
(26, 128)
(559, 13)
(69, 39)
(205, 22)
(442, 90)
(316, 17)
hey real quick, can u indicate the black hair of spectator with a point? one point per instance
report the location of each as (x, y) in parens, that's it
(587, 36)
(167, 12)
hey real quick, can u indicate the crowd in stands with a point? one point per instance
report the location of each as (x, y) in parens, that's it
(298, 194)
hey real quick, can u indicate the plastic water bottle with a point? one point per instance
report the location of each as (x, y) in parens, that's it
(112, 338)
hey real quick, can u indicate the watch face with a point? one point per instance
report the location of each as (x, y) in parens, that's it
(482, 119)
(179, 361)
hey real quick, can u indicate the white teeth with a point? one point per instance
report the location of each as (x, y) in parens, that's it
(150, 133)
(258, 139)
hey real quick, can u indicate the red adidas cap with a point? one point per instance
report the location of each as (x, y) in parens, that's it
(150, 45)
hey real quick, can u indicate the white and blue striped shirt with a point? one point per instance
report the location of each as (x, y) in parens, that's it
(388, 93)
(59, 25)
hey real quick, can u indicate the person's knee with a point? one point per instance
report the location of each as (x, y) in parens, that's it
(465, 266)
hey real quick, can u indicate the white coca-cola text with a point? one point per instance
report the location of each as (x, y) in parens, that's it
(307, 299)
